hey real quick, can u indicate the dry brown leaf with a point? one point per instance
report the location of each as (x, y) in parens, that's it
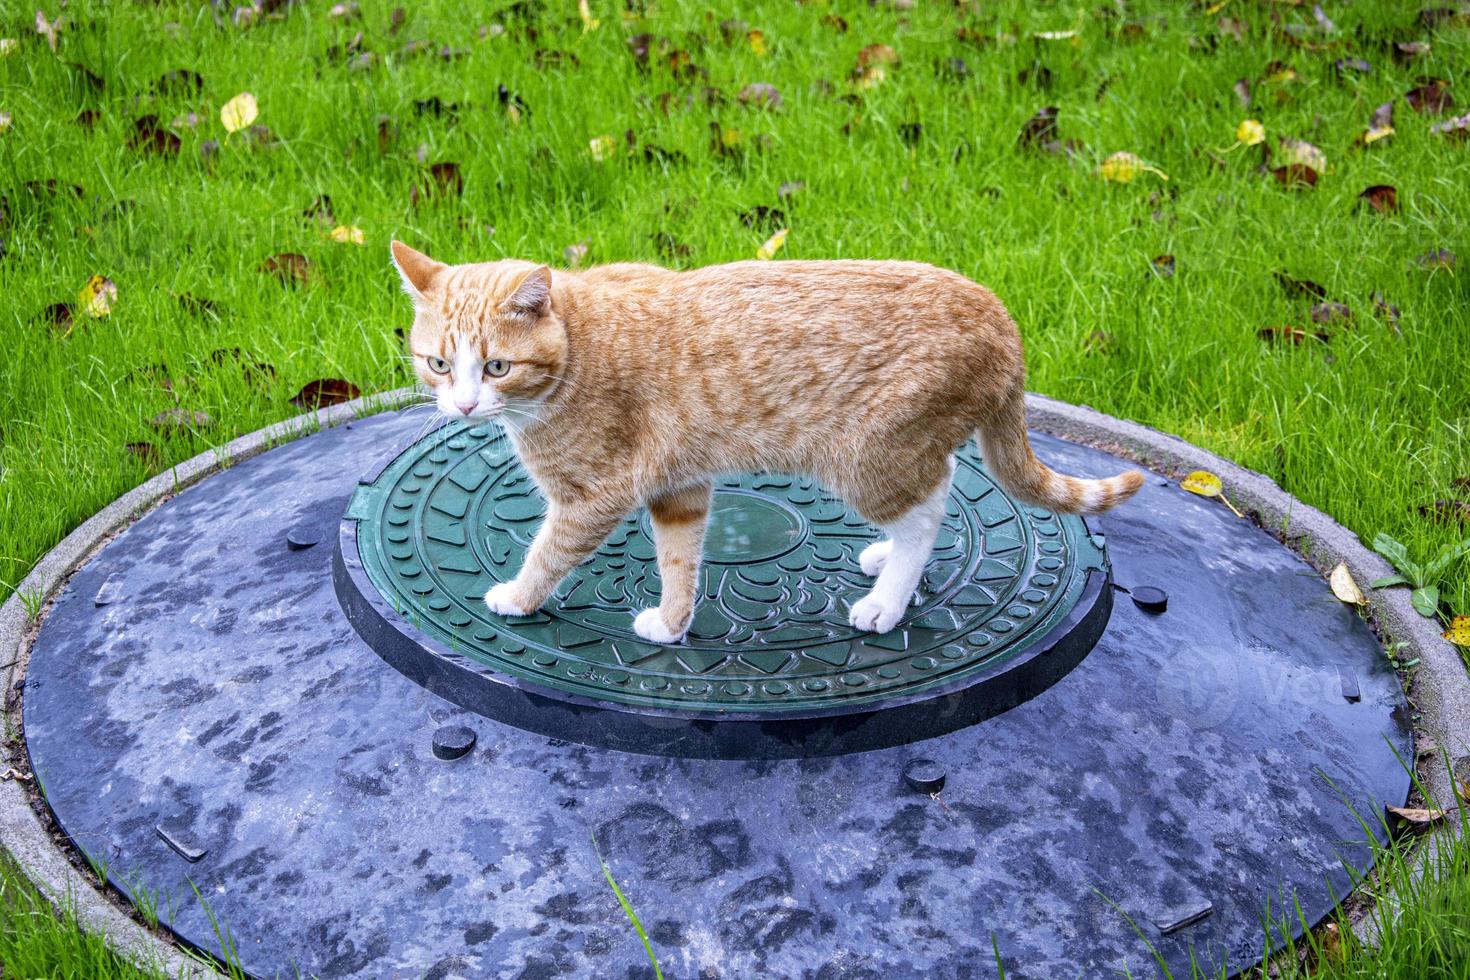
(1295, 175)
(1457, 129)
(325, 391)
(145, 451)
(1301, 153)
(447, 178)
(761, 95)
(1287, 334)
(1039, 128)
(1447, 510)
(61, 317)
(1344, 587)
(149, 135)
(289, 267)
(1437, 258)
(1432, 97)
(1414, 818)
(575, 254)
(1387, 310)
(1407, 51)
(1383, 198)
(1298, 287)
(319, 211)
(877, 54)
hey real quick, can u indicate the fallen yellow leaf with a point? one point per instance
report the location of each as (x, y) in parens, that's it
(1332, 946)
(1304, 154)
(1344, 587)
(7, 45)
(1250, 132)
(1207, 484)
(757, 43)
(1377, 133)
(97, 296)
(589, 23)
(772, 245)
(1202, 482)
(346, 235)
(872, 77)
(1458, 631)
(602, 147)
(239, 112)
(1123, 166)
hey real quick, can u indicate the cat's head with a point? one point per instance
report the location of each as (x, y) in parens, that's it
(486, 338)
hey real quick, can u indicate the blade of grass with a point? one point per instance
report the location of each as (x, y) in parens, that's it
(627, 909)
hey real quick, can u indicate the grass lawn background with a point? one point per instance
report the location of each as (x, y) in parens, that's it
(559, 136)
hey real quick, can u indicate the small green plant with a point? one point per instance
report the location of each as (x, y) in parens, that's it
(1422, 578)
(628, 910)
(145, 899)
(98, 864)
(32, 600)
(1395, 650)
(230, 964)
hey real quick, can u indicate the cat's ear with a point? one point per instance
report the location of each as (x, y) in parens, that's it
(532, 295)
(416, 268)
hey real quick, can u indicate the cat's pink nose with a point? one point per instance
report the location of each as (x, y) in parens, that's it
(466, 407)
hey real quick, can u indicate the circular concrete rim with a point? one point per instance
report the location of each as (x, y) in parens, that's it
(1441, 685)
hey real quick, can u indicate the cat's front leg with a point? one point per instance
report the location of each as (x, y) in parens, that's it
(679, 520)
(570, 532)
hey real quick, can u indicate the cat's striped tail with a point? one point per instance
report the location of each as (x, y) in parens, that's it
(1009, 459)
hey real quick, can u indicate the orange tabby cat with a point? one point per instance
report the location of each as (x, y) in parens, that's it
(629, 385)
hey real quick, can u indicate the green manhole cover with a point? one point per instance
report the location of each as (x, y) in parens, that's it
(1013, 598)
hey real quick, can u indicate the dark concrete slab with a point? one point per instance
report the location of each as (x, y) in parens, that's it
(219, 702)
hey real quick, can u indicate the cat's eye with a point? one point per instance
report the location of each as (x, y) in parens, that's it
(497, 368)
(438, 365)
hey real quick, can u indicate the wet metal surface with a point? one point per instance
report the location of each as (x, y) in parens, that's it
(1199, 762)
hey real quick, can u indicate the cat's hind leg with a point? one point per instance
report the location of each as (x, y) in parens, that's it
(899, 566)
(679, 520)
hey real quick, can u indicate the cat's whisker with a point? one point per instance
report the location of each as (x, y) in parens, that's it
(571, 385)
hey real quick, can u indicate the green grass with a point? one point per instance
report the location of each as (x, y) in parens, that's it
(1368, 426)
(629, 911)
(35, 941)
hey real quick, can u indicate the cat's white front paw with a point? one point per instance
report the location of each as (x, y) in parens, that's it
(501, 600)
(874, 557)
(650, 625)
(875, 614)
